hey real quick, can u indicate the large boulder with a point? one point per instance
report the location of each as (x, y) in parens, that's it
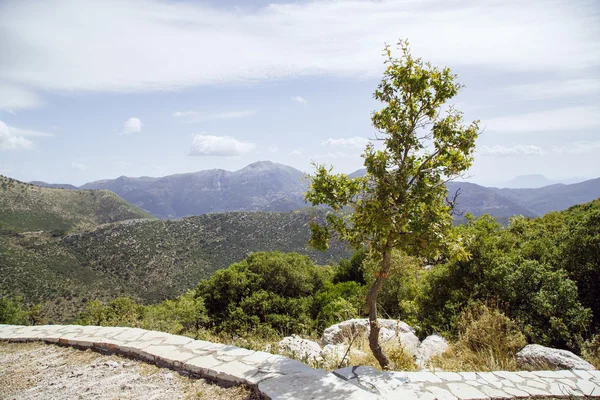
(432, 346)
(535, 356)
(300, 349)
(390, 330)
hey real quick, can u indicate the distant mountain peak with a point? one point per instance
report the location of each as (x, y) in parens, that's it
(263, 165)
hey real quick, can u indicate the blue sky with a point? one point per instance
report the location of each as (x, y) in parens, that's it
(92, 90)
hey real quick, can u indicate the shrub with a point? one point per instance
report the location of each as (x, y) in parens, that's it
(399, 292)
(12, 311)
(274, 289)
(338, 302)
(122, 311)
(352, 270)
(540, 298)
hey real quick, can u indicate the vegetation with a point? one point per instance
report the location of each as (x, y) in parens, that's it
(400, 203)
(512, 291)
(26, 208)
(148, 260)
(522, 269)
(14, 312)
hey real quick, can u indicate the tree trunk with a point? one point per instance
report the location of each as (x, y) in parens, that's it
(374, 290)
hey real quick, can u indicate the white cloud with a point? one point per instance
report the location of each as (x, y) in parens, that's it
(556, 88)
(297, 152)
(142, 45)
(300, 100)
(518, 150)
(132, 125)
(563, 119)
(79, 166)
(12, 138)
(195, 116)
(578, 148)
(351, 143)
(273, 149)
(209, 145)
(13, 98)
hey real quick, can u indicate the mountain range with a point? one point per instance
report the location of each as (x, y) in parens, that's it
(267, 186)
(65, 247)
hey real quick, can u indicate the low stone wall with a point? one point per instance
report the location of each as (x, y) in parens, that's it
(278, 377)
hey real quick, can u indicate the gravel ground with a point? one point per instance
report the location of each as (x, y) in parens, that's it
(40, 371)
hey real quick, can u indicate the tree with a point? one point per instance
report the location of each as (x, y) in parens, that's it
(400, 203)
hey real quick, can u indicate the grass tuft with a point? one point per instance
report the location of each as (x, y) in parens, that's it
(488, 341)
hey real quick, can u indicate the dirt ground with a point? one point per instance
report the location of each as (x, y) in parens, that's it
(41, 371)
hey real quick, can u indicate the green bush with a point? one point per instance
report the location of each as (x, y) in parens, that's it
(398, 295)
(352, 270)
(338, 302)
(274, 289)
(122, 311)
(504, 268)
(579, 253)
(12, 311)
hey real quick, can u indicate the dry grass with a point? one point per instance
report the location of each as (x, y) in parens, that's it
(400, 360)
(591, 351)
(488, 341)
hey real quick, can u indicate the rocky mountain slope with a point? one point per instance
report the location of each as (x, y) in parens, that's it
(262, 186)
(149, 260)
(504, 203)
(553, 197)
(25, 207)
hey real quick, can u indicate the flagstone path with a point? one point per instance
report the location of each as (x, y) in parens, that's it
(278, 377)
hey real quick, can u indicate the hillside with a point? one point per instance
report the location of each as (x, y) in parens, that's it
(261, 186)
(54, 185)
(553, 197)
(479, 200)
(149, 260)
(25, 207)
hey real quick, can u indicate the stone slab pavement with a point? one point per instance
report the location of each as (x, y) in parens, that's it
(278, 377)
(273, 376)
(474, 385)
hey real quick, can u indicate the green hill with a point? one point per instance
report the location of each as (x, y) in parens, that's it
(25, 208)
(149, 260)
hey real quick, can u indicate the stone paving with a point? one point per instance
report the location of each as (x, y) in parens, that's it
(474, 385)
(278, 377)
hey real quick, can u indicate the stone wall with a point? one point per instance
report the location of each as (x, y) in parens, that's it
(278, 377)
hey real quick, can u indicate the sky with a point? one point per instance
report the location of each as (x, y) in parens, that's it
(94, 90)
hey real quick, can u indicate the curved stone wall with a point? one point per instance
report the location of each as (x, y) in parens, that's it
(278, 377)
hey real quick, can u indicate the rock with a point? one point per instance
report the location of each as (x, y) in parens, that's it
(390, 329)
(301, 349)
(410, 342)
(535, 356)
(111, 363)
(432, 346)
